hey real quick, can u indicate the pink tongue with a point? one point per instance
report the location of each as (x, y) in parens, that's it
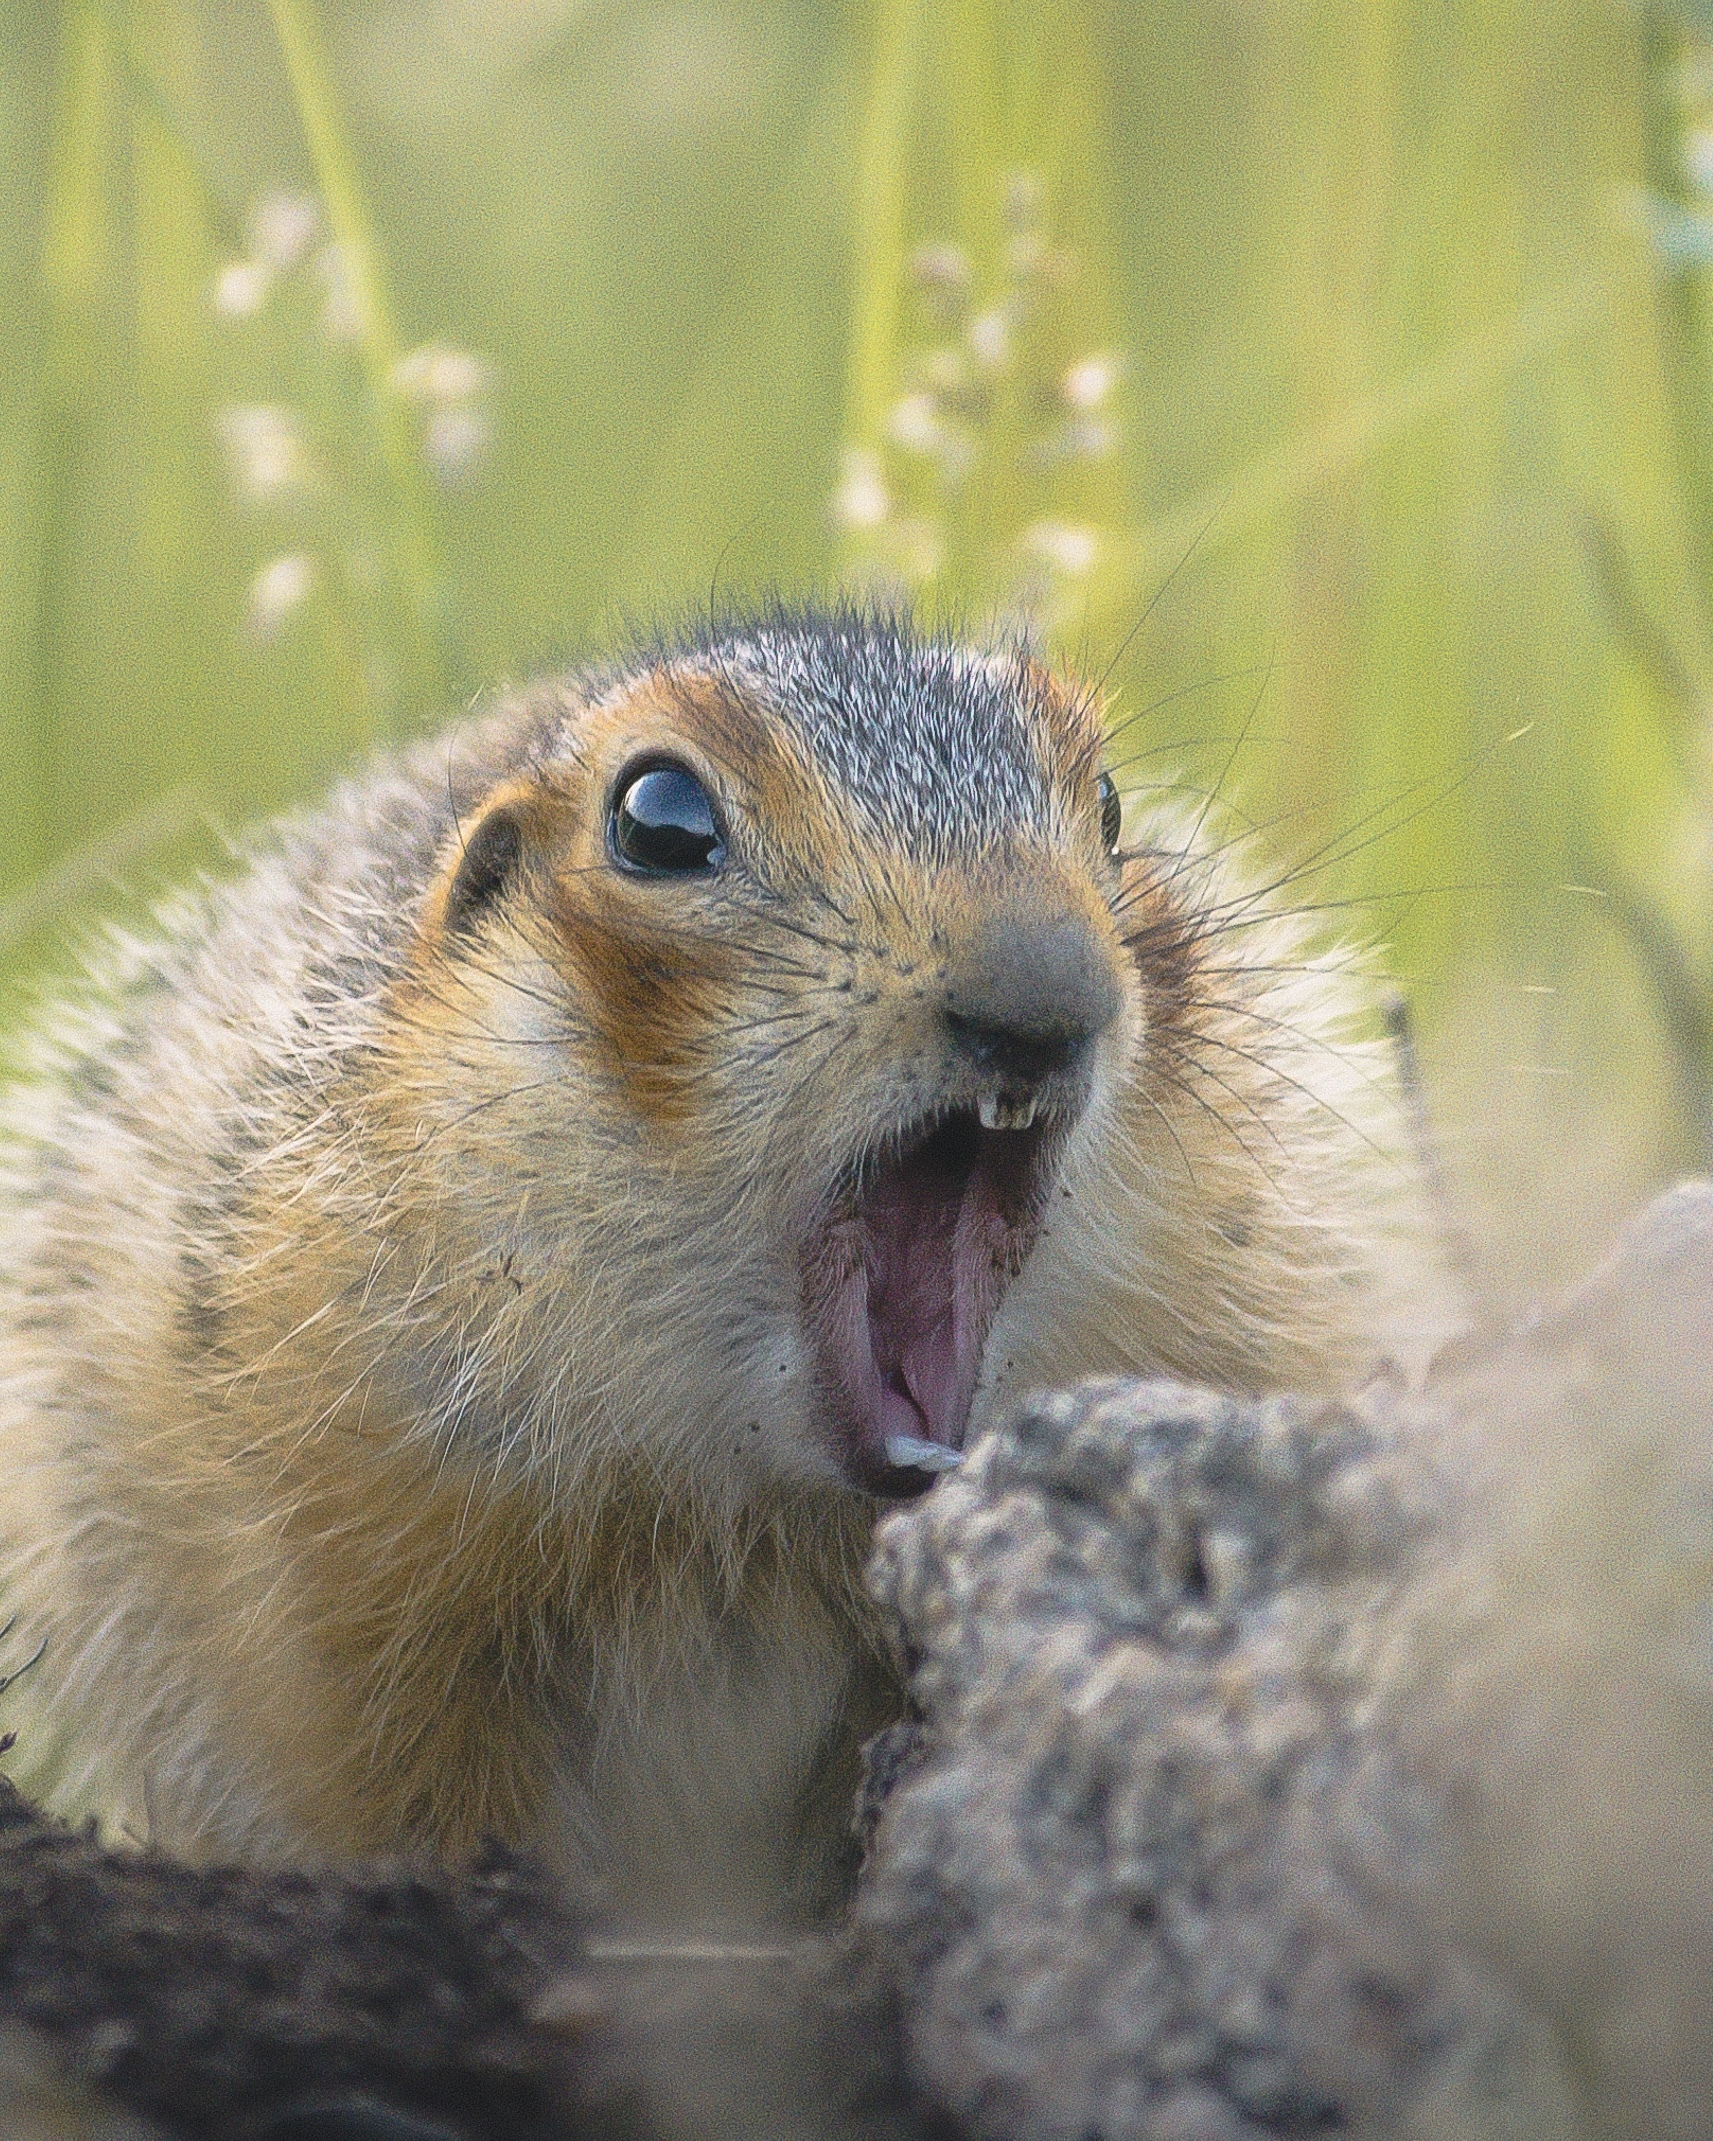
(913, 1320)
(901, 1285)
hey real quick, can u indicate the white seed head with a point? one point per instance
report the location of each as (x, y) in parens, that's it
(915, 424)
(436, 372)
(1068, 548)
(241, 289)
(945, 370)
(1090, 438)
(861, 500)
(958, 454)
(456, 439)
(265, 451)
(990, 338)
(1025, 254)
(942, 267)
(1088, 384)
(283, 227)
(282, 587)
(1022, 199)
(1079, 438)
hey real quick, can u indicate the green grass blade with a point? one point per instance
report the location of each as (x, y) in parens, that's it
(428, 664)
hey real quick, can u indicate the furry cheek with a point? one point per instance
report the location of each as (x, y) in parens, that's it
(1159, 930)
(657, 999)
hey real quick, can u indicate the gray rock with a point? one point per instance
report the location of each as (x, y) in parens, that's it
(1139, 1883)
(1290, 1768)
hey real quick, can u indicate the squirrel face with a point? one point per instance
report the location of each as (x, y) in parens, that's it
(808, 942)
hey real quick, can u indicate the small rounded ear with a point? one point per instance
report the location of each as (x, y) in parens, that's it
(492, 851)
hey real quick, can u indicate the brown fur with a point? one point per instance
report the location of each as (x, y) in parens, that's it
(408, 1428)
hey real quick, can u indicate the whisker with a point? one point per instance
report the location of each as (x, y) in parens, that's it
(1232, 917)
(1170, 1126)
(741, 1029)
(1241, 738)
(480, 1107)
(1092, 696)
(1187, 788)
(1200, 1037)
(782, 1048)
(1184, 691)
(1200, 1100)
(773, 920)
(1179, 1055)
(1348, 1057)
(1341, 848)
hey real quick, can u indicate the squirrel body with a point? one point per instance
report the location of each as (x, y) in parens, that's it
(467, 1282)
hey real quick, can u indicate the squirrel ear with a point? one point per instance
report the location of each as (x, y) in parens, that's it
(492, 851)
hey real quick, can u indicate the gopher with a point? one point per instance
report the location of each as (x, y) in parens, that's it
(468, 1282)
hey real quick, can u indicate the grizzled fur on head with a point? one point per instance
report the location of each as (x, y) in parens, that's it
(938, 748)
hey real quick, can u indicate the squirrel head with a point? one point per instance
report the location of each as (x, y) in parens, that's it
(788, 990)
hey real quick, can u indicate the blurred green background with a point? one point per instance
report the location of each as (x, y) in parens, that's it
(1339, 375)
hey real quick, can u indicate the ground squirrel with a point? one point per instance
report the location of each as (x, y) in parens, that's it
(466, 1283)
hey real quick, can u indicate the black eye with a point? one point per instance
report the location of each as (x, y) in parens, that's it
(1111, 812)
(663, 823)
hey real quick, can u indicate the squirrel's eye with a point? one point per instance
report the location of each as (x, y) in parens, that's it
(663, 822)
(1111, 812)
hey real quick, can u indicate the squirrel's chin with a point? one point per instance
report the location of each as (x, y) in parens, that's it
(902, 1279)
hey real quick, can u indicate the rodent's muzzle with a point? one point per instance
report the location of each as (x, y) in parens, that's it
(1028, 996)
(902, 1280)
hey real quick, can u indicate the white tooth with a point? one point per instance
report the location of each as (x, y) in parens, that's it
(1024, 1114)
(988, 1109)
(911, 1454)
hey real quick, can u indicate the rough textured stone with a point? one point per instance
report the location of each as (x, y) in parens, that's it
(1140, 1881)
(1289, 1768)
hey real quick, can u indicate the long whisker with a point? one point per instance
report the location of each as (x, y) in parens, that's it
(1092, 697)
(1200, 1100)
(1342, 848)
(1170, 1126)
(1233, 917)
(1199, 1037)
(1346, 1057)
(1203, 1070)
(1171, 698)
(1238, 741)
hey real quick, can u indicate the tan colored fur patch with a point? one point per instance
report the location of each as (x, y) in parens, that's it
(651, 987)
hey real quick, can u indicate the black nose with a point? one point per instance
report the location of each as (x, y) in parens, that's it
(1028, 994)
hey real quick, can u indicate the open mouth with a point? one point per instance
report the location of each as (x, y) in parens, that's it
(902, 1281)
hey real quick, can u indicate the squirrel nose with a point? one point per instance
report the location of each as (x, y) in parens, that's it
(1030, 994)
